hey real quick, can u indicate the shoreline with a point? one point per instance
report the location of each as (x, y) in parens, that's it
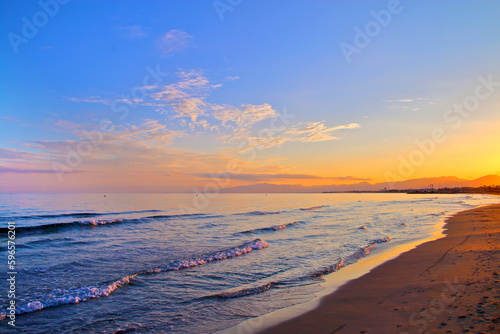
(426, 287)
(449, 285)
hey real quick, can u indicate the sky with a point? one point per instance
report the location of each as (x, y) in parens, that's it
(181, 96)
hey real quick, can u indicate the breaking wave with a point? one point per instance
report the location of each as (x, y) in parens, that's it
(75, 215)
(181, 215)
(58, 226)
(95, 222)
(329, 269)
(350, 259)
(272, 228)
(75, 296)
(243, 292)
(259, 213)
(221, 255)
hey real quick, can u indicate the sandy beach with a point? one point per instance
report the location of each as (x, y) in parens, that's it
(449, 285)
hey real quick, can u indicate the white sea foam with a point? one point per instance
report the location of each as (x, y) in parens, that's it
(351, 259)
(225, 254)
(243, 292)
(329, 270)
(96, 222)
(75, 296)
(365, 250)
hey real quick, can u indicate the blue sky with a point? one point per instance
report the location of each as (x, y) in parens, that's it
(227, 79)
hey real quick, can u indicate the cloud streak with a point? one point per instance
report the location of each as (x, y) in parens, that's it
(187, 99)
(173, 40)
(406, 103)
(263, 177)
(302, 132)
(316, 131)
(147, 147)
(31, 171)
(131, 31)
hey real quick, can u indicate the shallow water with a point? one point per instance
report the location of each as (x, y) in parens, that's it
(156, 263)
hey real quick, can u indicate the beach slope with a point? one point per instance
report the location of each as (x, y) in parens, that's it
(449, 285)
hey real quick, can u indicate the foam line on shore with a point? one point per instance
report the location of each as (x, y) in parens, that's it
(334, 282)
(350, 259)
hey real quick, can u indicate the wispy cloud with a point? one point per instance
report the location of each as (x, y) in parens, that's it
(92, 99)
(173, 40)
(244, 116)
(10, 119)
(24, 157)
(402, 100)
(350, 178)
(187, 99)
(281, 176)
(316, 131)
(414, 100)
(131, 31)
(67, 125)
(302, 132)
(412, 104)
(146, 147)
(31, 170)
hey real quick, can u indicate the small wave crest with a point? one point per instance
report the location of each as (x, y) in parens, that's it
(95, 222)
(53, 227)
(351, 259)
(178, 215)
(272, 228)
(365, 250)
(437, 214)
(243, 292)
(75, 215)
(221, 255)
(58, 226)
(260, 213)
(313, 208)
(329, 269)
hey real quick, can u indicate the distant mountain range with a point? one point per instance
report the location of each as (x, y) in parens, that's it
(437, 182)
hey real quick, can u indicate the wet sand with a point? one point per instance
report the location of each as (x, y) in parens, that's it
(449, 285)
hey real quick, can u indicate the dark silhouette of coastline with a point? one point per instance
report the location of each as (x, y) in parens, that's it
(494, 190)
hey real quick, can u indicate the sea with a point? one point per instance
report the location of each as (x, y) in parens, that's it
(182, 263)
